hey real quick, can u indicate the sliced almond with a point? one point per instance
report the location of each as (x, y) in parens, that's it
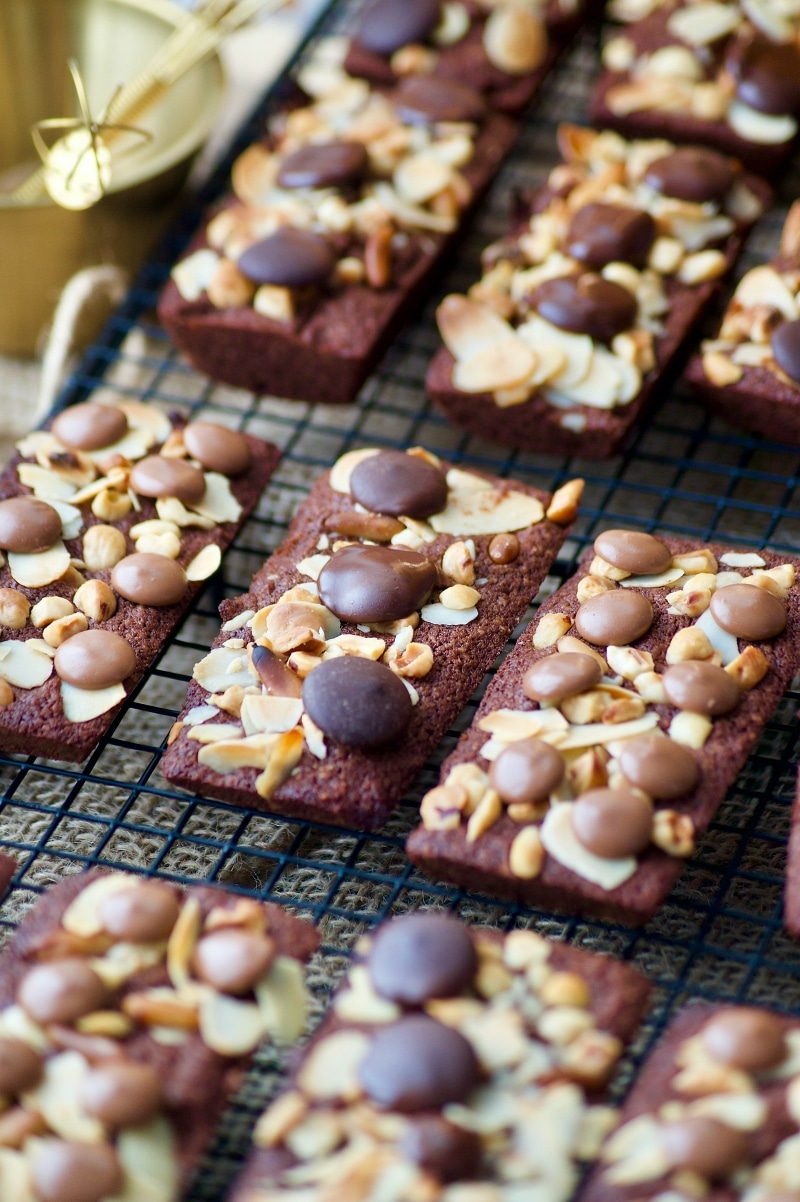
(204, 564)
(45, 484)
(217, 732)
(270, 715)
(487, 512)
(467, 326)
(759, 127)
(703, 23)
(38, 570)
(561, 843)
(312, 565)
(438, 614)
(81, 705)
(54, 1098)
(669, 576)
(577, 349)
(221, 668)
(229, 755)
(229, 1026)
(330, 1070)
(150, 1160)
(283, 1000)
(218, 503)
(24, 665)
(419, 177)
(500, 365)
(283, 758)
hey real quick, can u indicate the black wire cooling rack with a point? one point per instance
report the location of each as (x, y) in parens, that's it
(719, 935)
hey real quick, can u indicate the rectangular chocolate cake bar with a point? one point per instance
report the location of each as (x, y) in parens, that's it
(456, 1063)
(583, 306)
(609, 737)
(363, 636)
(110, 522)
(128, 1010)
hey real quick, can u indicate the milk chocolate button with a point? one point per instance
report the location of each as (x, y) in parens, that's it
(748, 612)
(145, 913)
(75, 1172)
(561, 675)
(701, 688)
(89, 427)
(218, 448)
(426, 99)
(422, 956)
(767, 75)
(390, 24)
(324, 165)
(289, 258)
(612, 823)
(28, 525)
(233, 961)
(705, 1146)
(20, 1066)
(785, 341)
(447, 1152)
(746, 1039)
(357, 701)
(614, 619)
(602, 233)
(122, 1094)
(157, 476)
(526, 772)
(95, 659)
(375, 584)
(418, 1063)
(149, 579)
(633, 551)
(394, 483)
(585, 304)
(691, 173)
(662, 768)
(61, 991)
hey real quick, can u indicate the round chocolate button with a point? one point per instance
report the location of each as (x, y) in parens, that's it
(157, 476)
(218, 448)
(324, 165)
(603, 233)
(614, 619)
(289, 258)
(145, 913)
(375, 584)
(357, 701)
(20, 1066)
(632, 551)
(28, 525)
(122, 1094)
(748, 612)
(767, 75)
(75, 1172)
(61, 991)
(233, 961)
(89, 427)
(422, 956)
(396, 484)
(418, 1063)
(149, 579)
(753, 1041)
(391, 24)
(447, 1152)
(691, 173)
(95, 659)
(427, 99)
(705, 1146)
(785, 340)
(701, 687)
(585, 304)
(526, 772)
(612, 823)
(561, 675)
(662, 768)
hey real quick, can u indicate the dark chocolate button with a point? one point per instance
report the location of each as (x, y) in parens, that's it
(662, 768)
(95, 659)
(585, 304)
(391, 24)
(146, 913)
(418, 1063)
(633, 551)
(785, 340)
(289, 258)
(753, 1041)
(375, 584)
(612, 823)
(394, 483)
(357, 701)
(20, 1066)
(603, 233)
(75, 1172)
(701, 687)
(691, 173)
(89, 427)
(28, 525)
(447, 1152)
(526, 772)
(614, 619)
(122, 1094)
(324, 165)
(767, 75)
(705, 1146)
(218, 448)
(277, 679)
(61, 991)
(426, 99)
(748, 612)
(561, 675)
(158, 476)
(149, 579)
(233, 961)
(422, 956)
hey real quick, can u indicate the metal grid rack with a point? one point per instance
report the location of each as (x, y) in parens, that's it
(718, 936)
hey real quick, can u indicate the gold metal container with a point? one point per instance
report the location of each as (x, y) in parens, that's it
(42, 245)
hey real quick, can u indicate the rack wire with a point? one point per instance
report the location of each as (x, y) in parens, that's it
(718, 936)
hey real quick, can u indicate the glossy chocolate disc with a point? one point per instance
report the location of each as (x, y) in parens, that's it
(75, 1172)
(357, 701)
(218, 448)
(61, 991)
(614, 619)
(603, 233)
(396, 484)
(158, 476)
(28, 525)
(585, 304)
(705, 1146)
(146, 913)
(21, 1066)
(661, 767)
(324, 165)
(691, 173)
(288, 258)
(701, 688)
(612, 823)
(751, 1040)
(785, 341)
(748, 612)
(422, 956)
(767, 76)
(233, 961)
(89, 427)
(447, 1152)
(375, 584)
(95, 659)
(427, 99)
(122, 1094)
(561, 675)
(391, 24)
(149, 579)
(526, 772)
(418, 1063)
(633, 551)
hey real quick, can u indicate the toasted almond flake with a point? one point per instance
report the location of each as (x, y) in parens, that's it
(24, 664)
(721, 640)
(282, 760)
(312, 565)
(54, 1099)
(413, 215)
(204, 564)
(38, 570)
(270, 715)
(442, 615)
(170, 509)
(82, 915)
(418, 177)
(198, 714)
(217, 733)
(283, 1000)
(149, 1159)
(229, 1026)
(218, 503)
(690, 729)
(467, 326)
(512, 725)
(597, 733)
(767, 17)
(577, 350)
(182, 942)
(742, 1111)
(330, 1071)
(193, 274)
(658, 581)
(758, 127)
(81, 705)
(339, 478)
(561, 843)
(742, 559)
(315, 739)
(228, 755)
(703, 23)
(500, 365)
(486, 511)
(46, 485)
(213, 671)
(240, 621)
